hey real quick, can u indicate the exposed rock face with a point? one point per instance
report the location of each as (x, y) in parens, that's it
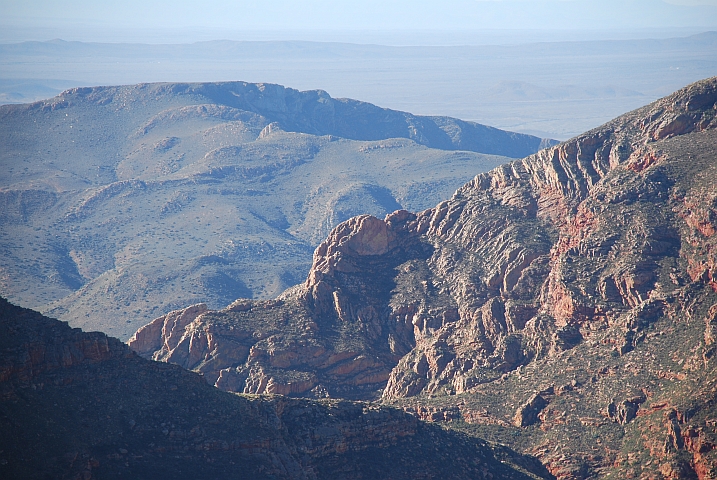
(527, 414)
(82, 405)
(626, 410)
(580, 251)
(574, 239)
(282, 346)
(147, 339)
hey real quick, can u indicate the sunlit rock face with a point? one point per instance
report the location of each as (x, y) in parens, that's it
(561, 294)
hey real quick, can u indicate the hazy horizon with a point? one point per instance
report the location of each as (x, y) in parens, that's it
(391, 38)
(432, 58)
(449, 22)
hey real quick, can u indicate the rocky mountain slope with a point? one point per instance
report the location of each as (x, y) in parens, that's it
(563, 304)
(82, 405)
(118, 204)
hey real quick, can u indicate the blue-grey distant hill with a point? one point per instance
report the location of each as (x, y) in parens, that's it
(549, 89)
(316, 113)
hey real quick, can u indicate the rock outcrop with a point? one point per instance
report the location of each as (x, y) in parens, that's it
(527, 414)
(282, 346)
(147, 340)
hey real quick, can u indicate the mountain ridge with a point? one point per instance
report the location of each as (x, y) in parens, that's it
(82, 405)
(593, 246)
(317, 113)
(188, 192)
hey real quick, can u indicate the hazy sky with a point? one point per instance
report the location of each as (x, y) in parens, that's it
(92, 17)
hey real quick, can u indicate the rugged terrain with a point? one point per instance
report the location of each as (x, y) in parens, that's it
(564, 304)
(83, 406)
(118, 204)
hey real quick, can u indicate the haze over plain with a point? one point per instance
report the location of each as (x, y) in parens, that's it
(550, 68)
(310, 15)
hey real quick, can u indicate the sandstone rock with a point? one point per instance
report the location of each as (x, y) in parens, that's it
(540, 266)
(434, 414)
(552, 270)
(623, 412)
(527, 414)
(162, 334)
(711, 326)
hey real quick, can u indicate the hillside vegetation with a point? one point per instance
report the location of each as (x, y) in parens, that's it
(118, 204)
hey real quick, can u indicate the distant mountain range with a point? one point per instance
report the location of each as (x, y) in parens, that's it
(122, 203)
(533, 85)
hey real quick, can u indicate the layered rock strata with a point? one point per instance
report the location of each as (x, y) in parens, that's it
(524, 261)
(585, 248)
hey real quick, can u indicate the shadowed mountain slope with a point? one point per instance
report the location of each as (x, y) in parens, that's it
(118, 204)
(564, 304)
(82, 405)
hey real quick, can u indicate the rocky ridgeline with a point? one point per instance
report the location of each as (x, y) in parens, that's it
(45, 345)
(542, 252)
(584, 248)
(82, 405)
(522, 262)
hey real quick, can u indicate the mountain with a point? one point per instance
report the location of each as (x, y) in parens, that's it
(564, 304)
(82, 405)
(119, 204)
